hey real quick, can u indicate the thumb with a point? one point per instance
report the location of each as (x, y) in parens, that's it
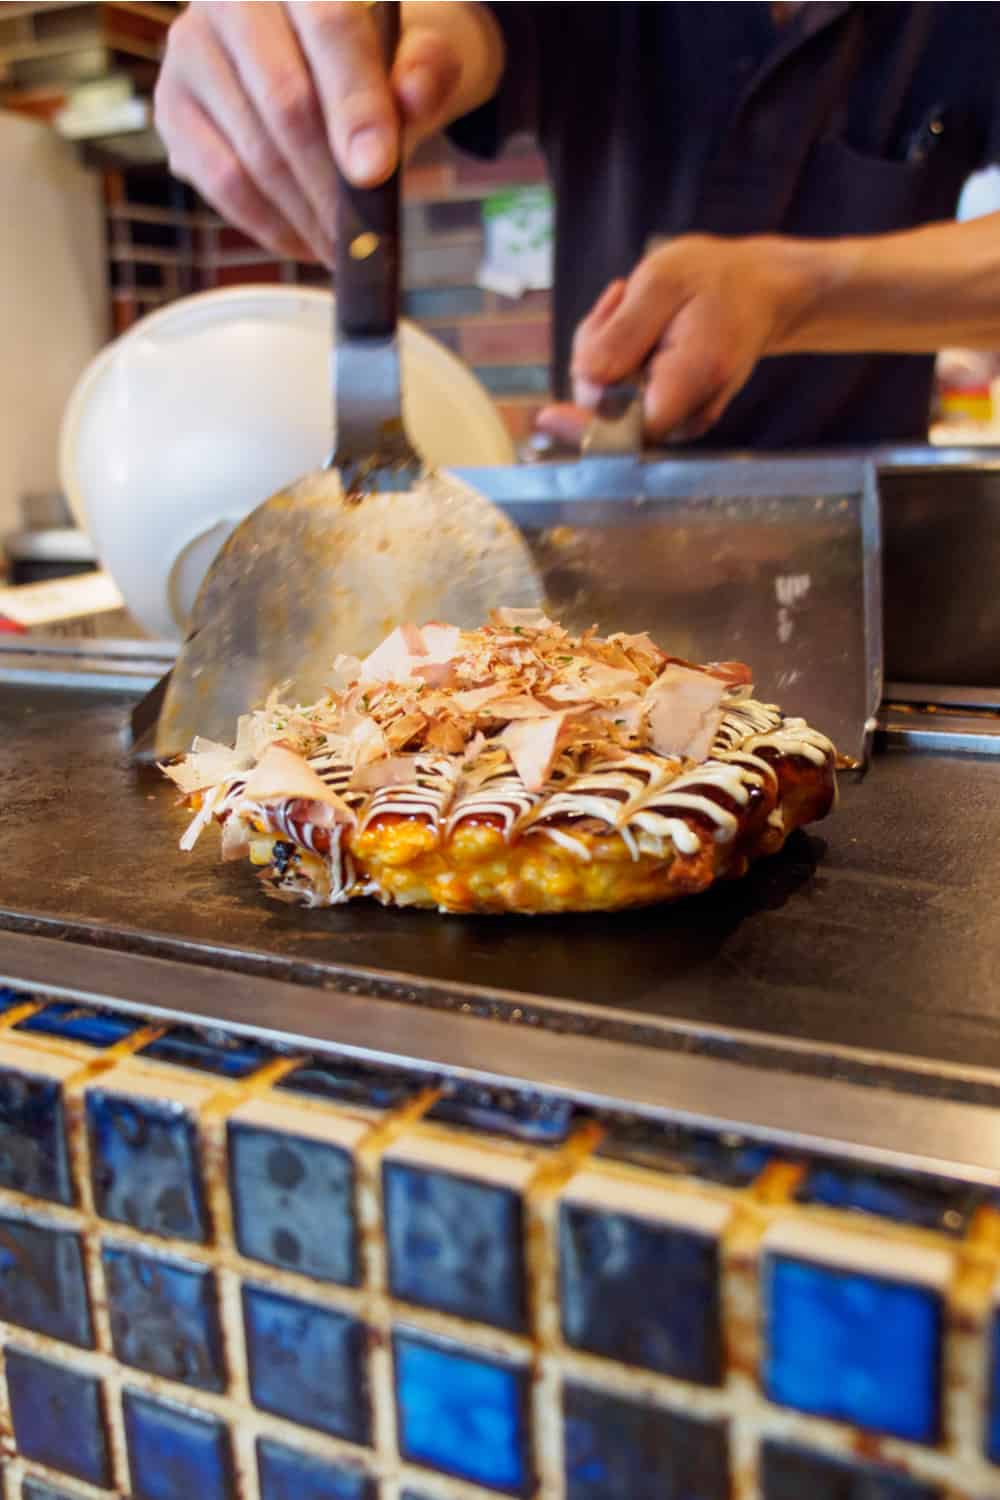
(425, 75)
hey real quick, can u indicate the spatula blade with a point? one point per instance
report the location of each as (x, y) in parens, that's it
(310, 574)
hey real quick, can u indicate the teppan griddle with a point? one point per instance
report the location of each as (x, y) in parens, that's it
(879, 929)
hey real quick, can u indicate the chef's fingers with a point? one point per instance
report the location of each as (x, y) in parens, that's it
(607, 303)
(213, 79)
(565, 422)
(425, 76)
(342, 48)
(219, 174)
(614, 345)
(692, 378)
(264, 51)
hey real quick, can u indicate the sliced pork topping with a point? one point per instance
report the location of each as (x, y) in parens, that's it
(532, 745)
(685, 711)
(281, 775)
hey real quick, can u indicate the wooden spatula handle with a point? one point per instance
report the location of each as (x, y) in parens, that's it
(368, 251)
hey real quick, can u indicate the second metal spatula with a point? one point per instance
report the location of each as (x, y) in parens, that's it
(341, 557)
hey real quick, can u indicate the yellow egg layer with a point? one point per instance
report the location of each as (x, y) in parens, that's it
(476, 870)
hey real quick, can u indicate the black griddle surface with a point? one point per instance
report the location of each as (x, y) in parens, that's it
(880, 929)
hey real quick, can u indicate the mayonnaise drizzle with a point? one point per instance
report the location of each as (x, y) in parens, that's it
(795, 737)
(428, 797)
(639, 796)
(336, 774)
(607, 791)
(743, 718)
(505, 797)
(661, 813)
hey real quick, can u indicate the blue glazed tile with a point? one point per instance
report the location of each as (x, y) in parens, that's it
(33, 1154)
(164, 1317)
(36, 1489)
(640, 1292)
(209, 1051)
(58, 1416)
(463, 1413)
(78, 1024)
(443, 302)
(145, 1165)
(307, 1363)
(10, 998)
(616, 1449)
(540, 1119)
(345, 1081)
(175, 1452)
(455, 1244)
(795, 1474)
(993, 1410)
(293, 1202)
(928, 1204)
(42, 1281)
(728, 1160)
(828, 1353)
(514, 380)
(286, 1474)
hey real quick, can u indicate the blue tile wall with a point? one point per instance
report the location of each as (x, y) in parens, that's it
(827, 1350)
(175, 1452)
(788, 1473)
(462, 1412)
(145, 1165)
(455, 1244)
(307, 1362)
(620, 1449)
(209, 1051)
(33, 1154)
(859, 1348)
(286, 1474)
(993, 1409)
(58, 1416)
(639, 1292)
(670, 1148)
(164, 1317)
(42, 1281)
(293, 1202)
(540, 1119)
(348, 1082)
(927, 1204)
(76, 1023)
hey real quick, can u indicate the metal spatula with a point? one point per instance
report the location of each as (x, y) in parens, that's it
(340, 558)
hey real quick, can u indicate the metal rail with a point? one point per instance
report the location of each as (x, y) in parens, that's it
(898, 1131)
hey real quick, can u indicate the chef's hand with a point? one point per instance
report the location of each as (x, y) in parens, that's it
(702, 311)
(254, 102)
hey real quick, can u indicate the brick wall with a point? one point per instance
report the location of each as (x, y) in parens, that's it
(163, 242)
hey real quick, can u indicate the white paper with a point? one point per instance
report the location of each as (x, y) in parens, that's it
(32, 604)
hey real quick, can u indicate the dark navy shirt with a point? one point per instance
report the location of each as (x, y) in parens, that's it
(662, 119)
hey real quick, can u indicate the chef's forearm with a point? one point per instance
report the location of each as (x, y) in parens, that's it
(909, 293)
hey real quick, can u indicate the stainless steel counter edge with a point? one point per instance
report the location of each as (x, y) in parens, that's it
(961, 1141)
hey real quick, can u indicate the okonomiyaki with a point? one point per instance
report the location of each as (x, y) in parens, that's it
(512, 768)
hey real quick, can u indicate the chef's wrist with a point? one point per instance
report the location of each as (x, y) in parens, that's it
(809, 281)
